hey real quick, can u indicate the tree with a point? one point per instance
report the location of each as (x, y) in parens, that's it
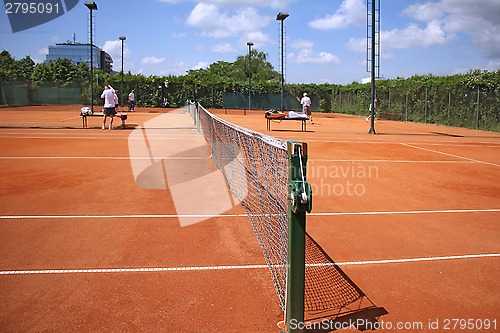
(262, 70)
(24, 69)
(42, 75)
(7, 67)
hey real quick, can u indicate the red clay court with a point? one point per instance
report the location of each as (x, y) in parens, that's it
(89, 243)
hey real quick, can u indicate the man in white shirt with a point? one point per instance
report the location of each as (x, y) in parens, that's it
(110, 100)
(306, 106)
(131, 99)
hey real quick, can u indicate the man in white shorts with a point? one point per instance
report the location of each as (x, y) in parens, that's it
(306, 106)
(110, 100)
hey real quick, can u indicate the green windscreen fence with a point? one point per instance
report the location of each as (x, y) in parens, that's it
(17, 95)
(42, 95)
(265, 101)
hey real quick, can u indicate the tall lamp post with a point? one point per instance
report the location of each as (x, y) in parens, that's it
(250, 44)
(91, 6)
(122, 38)
(281, 17)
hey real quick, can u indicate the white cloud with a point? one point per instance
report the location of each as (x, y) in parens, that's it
(43, 51)
(350, 13)
(161, 67)
(114, 49)
(414, 36)
(307, 54)
(478, 19)
(255, 3)
(240, 3)
(201, 65)
(223, 48)
(357, 44)
(152, 61)
(259, 39)
(411, 37)
(219, 24)
(302, 44)
(424, 11)
(492, 65)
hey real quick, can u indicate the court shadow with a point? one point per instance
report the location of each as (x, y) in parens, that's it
(332, 300)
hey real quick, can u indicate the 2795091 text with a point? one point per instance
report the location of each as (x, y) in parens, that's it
(31, 8)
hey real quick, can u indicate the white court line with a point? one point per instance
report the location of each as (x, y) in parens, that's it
(472, 145)
(97, 158)
(411, 212)
(452, 155)
(100, 138)
(397, 142)
(240, 267)
(142, 216)
(156, 216)
(201, 158)
(388, 161)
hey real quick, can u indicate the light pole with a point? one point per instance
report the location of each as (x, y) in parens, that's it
(250, 44)
(281, 17)
(122, 38)
(91, 6)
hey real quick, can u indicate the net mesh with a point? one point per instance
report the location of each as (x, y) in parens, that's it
(328, 290)
(256, 169)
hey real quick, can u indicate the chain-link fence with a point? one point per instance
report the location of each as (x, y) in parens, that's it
(472, 108)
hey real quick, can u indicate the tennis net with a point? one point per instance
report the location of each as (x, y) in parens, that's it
(255, 167)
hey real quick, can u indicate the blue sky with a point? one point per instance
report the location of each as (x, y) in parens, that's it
(325, 39)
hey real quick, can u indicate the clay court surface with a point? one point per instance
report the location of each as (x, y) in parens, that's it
(93, 240)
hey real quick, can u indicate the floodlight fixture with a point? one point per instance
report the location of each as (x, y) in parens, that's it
(122, 38)
(91, 5)
(250, 44)
(281, 16)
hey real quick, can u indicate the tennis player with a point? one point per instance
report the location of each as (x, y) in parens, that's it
(306, 106)
(110, 100)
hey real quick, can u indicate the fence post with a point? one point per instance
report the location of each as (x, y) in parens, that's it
(406, 106)
(449, 107)
(477, 109)
(425, 105)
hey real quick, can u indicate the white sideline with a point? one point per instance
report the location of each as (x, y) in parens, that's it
(156, 216)
(239, 267)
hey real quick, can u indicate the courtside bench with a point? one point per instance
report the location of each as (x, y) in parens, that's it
(278, 120)
(122, 116)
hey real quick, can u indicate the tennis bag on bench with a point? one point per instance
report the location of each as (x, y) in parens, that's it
(86, 111)
(273, 114)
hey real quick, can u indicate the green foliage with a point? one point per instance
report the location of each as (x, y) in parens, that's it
(468, 100)
(15, 71)
(24, 69)
(463, 100)
(8, 67)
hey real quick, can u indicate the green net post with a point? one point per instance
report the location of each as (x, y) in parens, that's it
(300, 202)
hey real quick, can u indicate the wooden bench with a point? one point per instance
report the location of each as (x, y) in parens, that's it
(122, 116)
(278, 120)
